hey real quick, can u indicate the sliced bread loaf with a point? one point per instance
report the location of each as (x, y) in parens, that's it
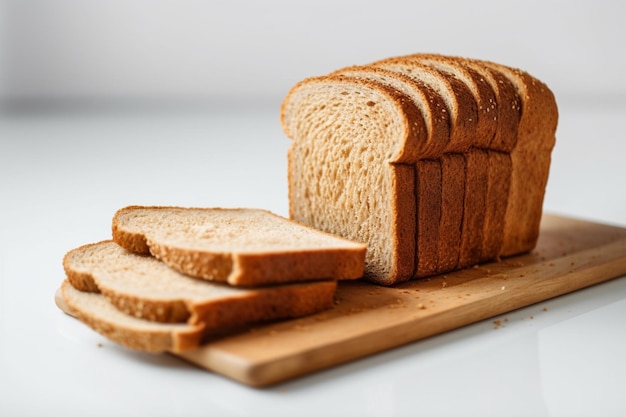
(242, 247)
(333, 128)
(143, 287)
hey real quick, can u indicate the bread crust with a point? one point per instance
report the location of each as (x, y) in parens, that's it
(453, 171)
(132, 333)
(400, 265)
(500, 120)
(111, 270)
(238, 266)
(463, 110)
(430, 109)
(535, 141)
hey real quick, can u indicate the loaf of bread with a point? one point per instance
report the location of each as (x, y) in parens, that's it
(241, 247)
(435, 162)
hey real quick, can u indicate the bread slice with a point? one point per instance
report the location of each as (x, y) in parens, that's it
(427, 171)
(507, 108)
(506, 114)
(462, 97)
(94, 310)
(350, 133)
(530, 159)
(480, 88)
(432, 108)
(143, 287)
(458, 98)
(241, 247)
(453, 172)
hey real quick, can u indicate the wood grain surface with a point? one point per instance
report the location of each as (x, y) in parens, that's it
(570, 255)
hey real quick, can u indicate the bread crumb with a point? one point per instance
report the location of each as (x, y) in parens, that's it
(421, 306)
(497, 323)
(545, 309)
(100, 345)
(531, 317)
(503, 288)
(444, 284)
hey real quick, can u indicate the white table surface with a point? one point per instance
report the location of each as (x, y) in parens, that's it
(62, 176)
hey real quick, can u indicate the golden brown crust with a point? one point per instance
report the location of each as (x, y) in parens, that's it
(405, 224)
(431, 110)
(133, 333)
(245, 306)
(429, 207)
(463, 119)
(241, 268)
(506, 140)
(477, 163)
(402, 232)
(81, 280)
(287, 302)
(498, 182)
(508, 106)
(482, 92)
(535, 140)
(452, 195)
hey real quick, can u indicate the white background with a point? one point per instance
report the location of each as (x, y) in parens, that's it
(195, 49)
(112, 103)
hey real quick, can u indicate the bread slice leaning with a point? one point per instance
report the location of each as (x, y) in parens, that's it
(143, 287)
(94, 310)
(241, 247)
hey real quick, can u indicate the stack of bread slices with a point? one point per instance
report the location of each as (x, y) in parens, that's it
(172, 276)
(437, 162)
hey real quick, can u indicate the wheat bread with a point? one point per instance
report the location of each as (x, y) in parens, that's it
(459, 100)
(481, 90)
(507, 114)
(241, 247)
(95, 311)
(530, 159)
(495, 132)
(453, 173)
(427, 172)
(364, 126)
(481, 159)
(462, 95)
(431, 106)
(143, 287)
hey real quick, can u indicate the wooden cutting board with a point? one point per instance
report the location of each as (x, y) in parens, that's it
(571, 254)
